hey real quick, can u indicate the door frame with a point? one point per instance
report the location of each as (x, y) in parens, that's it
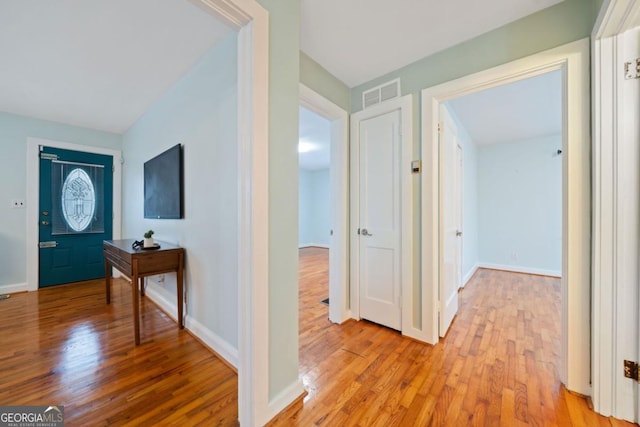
(441, 200)
(339, 308)
(573, 60)
(460, 161)
(615, 188)
(33, 191)
(405, 105)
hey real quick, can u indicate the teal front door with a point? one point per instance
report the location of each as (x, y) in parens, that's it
(76, 215)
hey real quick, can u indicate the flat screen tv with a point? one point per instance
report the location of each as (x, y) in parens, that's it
(163, 185)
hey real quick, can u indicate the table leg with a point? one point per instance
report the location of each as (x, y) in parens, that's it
(136, 308)
(180, 286)
(107, 279)
(142, 286)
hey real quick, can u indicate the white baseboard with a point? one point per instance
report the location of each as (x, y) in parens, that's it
(520, 269)
(284, 399)
(167, 302)
(162, 299)
(470, 274)
(13, 288)
(213, 341)
(313, 245)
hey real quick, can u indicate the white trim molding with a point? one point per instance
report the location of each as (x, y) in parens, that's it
(470, 274)
(339, 309)
(616, 198)
(521, 269)
(33, 188)
(14, 288)
(252, 22)
(572, 61)
(405, 105)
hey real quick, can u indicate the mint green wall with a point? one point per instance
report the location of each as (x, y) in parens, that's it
(14, 131)
(557, 25)
(284, 78)
(315, 77)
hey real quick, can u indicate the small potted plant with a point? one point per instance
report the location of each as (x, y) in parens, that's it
(148, 239)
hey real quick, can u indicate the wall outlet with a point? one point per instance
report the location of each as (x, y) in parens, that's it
(514, 256)
(17, 203)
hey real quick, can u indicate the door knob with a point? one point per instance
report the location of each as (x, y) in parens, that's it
(458, 233)
(365, 232)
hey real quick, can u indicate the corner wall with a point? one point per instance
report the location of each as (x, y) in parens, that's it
(520, 205)
(199, 112)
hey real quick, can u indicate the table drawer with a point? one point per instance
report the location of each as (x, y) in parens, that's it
(159, 261)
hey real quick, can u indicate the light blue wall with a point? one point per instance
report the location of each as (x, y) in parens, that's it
(520, 204)
(470, 247)
(315, 208)
(199, 112)
(14, 131)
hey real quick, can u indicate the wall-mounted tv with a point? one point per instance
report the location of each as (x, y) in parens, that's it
(163, 185)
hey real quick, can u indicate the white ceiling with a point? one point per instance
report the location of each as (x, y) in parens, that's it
(314, 131)
(97, 63)
(517, 111)
(102, 63)
(359, 40)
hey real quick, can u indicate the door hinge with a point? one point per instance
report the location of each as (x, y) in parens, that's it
(632, 69)
(439, 128)
(358, 231)
(416, 166)
(631, 370)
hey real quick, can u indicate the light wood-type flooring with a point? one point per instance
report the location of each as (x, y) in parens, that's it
(497, 365)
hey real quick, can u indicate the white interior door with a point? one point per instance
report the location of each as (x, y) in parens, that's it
(460, 199)
(380, 218)
(448, 292)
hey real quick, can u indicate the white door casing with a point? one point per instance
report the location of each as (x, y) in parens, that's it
(449, 215)
(616, 213)
(460, 209)
(381, 146)
(339, 306)
(573, 61)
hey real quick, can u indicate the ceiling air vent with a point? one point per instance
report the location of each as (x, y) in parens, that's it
(381, 93)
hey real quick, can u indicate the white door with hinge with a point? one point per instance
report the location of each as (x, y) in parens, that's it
(379, 231)
(460, 199)
(450, 232)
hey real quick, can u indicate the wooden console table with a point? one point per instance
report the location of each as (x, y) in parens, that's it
(140, 263)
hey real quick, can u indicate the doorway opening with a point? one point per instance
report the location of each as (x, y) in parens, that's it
(502, 206)
(323, 184)
(571, 61)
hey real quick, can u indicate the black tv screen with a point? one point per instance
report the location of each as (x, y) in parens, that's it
(163, 185)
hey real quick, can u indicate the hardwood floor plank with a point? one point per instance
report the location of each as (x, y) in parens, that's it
(63, 345)
(498, 364)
